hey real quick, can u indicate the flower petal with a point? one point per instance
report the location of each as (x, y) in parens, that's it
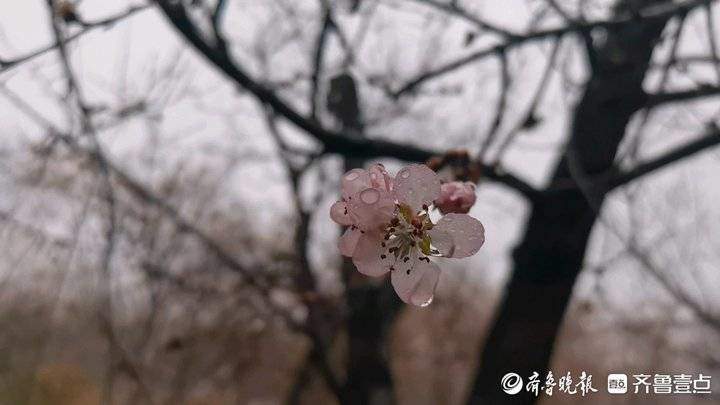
(457, 235)
(348, 242)
(416, 185)
(379, 177)
(371, 208)
(416, 284)
(354, 181)
(339, 213)
(367, 257)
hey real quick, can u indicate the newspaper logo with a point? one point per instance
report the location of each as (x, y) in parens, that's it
(617, 383)
(511, 383)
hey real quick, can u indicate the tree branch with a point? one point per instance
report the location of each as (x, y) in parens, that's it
(318, 57)
(710, 139)
(332, 142)
(582, 28)
(7, 64)
(453, 9)
(655, 100)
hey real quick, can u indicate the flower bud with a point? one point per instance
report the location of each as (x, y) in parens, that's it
(456, 197)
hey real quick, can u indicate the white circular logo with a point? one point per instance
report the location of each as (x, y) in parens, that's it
(511, 383)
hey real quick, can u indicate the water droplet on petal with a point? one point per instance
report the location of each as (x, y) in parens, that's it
(370, 196)
(426, 303)
(405, 174)
(352, 176)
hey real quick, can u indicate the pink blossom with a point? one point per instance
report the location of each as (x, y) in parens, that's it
(390, 228)
(456, 196)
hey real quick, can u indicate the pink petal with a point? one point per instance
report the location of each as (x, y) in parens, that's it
(379, 177)
(354, 181)
(371, 208)
(416, 185)
(456, 196)
(457, 235)
(367, 255)
(339, 213)
(348, 242)
(416, 284)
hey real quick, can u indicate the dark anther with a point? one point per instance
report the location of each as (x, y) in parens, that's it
(425, 207)
(406, 259)
(392, 268)
(382, 256)
(382, 244)
(408, 271)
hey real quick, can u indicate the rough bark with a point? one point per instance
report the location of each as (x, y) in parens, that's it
(550, 254)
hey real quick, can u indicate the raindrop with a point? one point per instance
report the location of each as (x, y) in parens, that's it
(426, 303)
(404, 174)
(352, 176)
(370, 196)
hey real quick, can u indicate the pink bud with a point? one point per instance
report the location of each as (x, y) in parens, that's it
(456, 197)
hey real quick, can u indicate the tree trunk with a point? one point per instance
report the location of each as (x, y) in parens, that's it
(370, 308)
(550, 255)
(371, 312)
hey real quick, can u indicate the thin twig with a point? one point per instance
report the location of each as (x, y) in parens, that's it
(453, 9)
(710, 139)
(501, 106)
(651, 15)
(7, 64)
(318, 58)
(711, 37)
(331, 141)
(529, 119)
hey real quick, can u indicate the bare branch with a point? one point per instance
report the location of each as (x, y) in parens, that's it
(453, 9)
(564, 14)
(711, 37)
(529, 119)
(710, 139)
(332, 141)
(318, 58)
(583, 28)
(655, 100)
(6, 64)
(501, 106)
